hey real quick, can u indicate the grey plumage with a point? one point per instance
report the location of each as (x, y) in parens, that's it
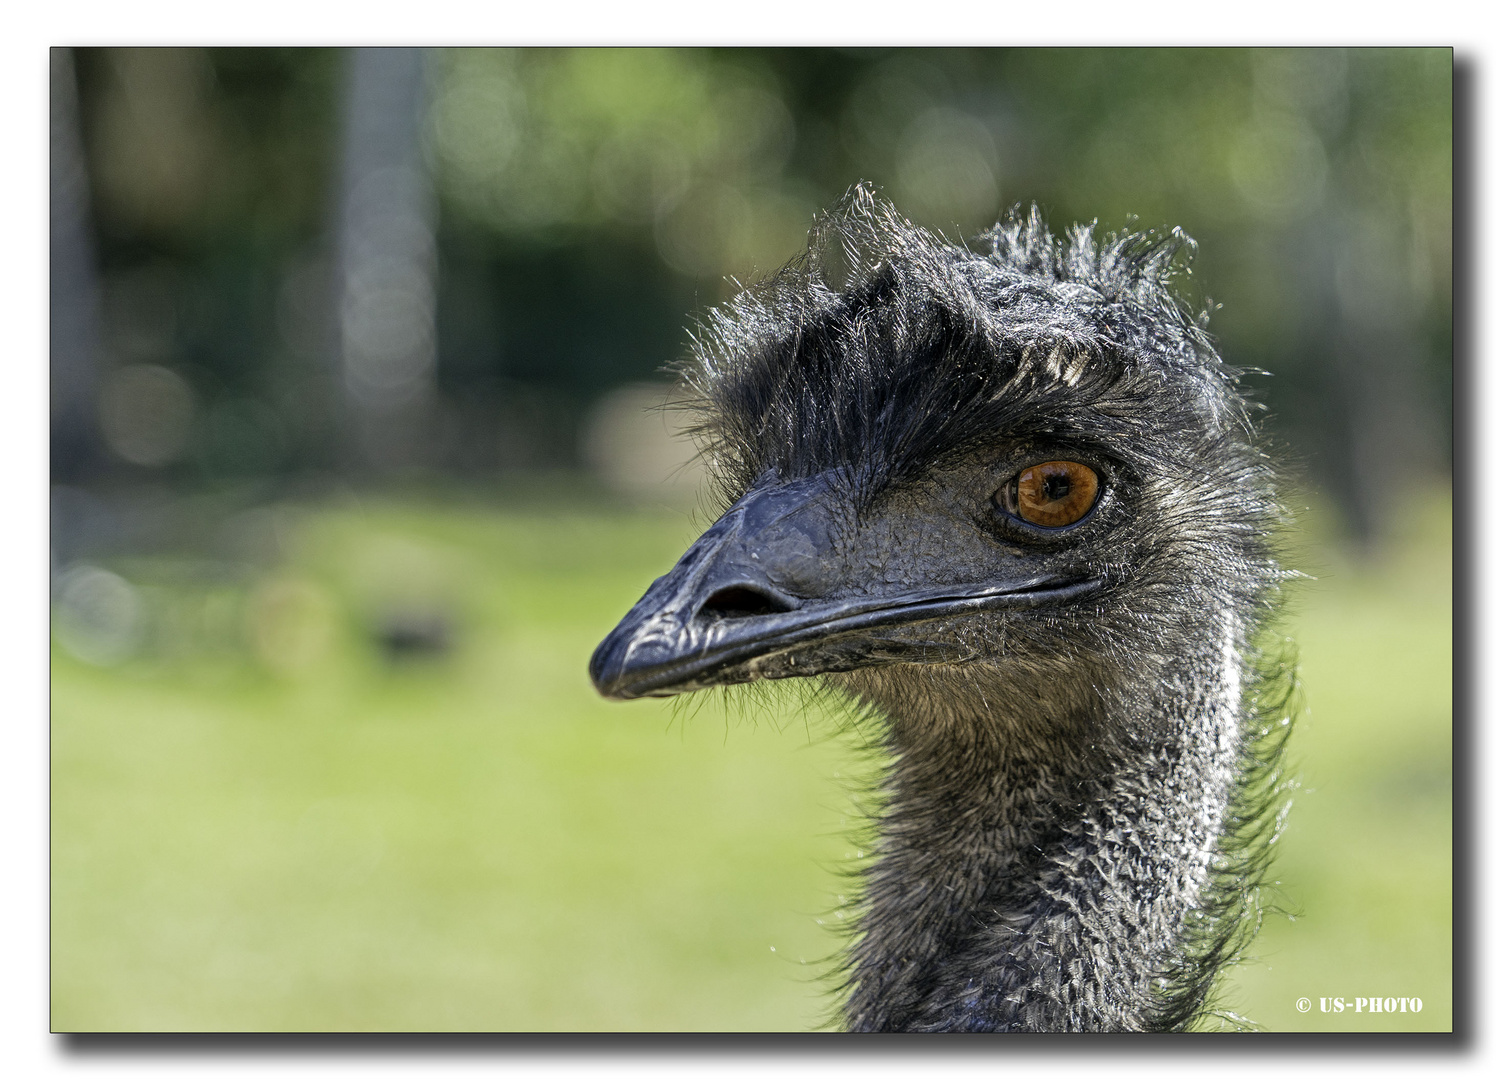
(1080, 767)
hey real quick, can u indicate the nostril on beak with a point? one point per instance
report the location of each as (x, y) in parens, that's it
(743, 601)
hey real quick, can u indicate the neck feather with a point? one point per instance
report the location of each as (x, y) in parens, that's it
(1040, 866)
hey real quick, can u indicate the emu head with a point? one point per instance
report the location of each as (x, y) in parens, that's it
(1012, 482)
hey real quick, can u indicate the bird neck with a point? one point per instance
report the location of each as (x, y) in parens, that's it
(1036, 870)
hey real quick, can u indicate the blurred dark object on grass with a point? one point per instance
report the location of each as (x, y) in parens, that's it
(414, 634)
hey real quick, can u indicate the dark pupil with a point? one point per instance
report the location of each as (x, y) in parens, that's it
(1056, 486)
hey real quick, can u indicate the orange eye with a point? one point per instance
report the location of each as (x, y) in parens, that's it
(1052, 494)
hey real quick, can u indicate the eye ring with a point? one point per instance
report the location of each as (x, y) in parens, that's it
(1051, 494)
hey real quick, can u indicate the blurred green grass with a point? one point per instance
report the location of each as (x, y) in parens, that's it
(1366, 861)
(296, 833)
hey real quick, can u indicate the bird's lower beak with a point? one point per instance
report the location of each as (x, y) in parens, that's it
(761, 596)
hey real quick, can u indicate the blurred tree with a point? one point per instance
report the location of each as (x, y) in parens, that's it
(209, 178)
(385, 290)
(74, 323)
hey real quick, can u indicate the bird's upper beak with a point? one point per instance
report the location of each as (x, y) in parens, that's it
(767, 593)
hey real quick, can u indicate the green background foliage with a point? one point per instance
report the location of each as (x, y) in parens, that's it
(591, 202)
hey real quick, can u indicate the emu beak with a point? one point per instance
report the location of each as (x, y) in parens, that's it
(763, 595)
